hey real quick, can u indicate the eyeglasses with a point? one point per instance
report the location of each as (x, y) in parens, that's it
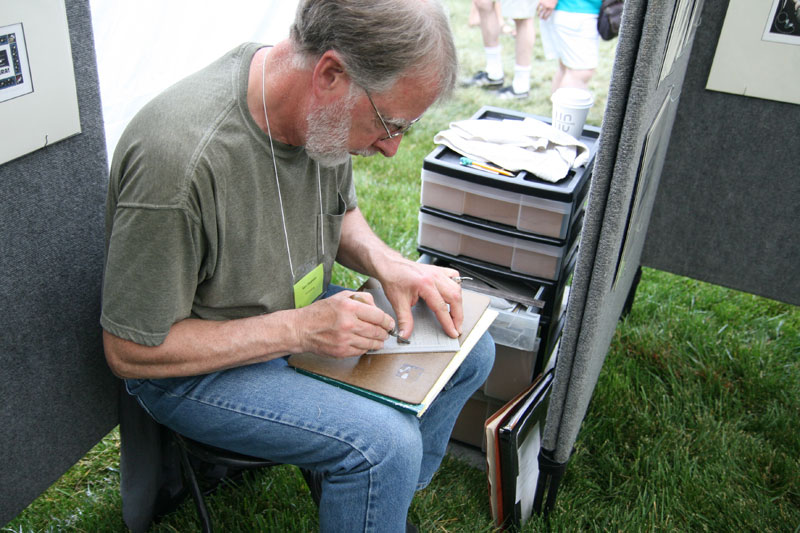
(400, 130)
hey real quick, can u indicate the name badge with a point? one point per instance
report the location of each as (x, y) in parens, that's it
(309, 288)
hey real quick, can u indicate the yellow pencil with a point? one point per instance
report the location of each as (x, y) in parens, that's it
(469, 162)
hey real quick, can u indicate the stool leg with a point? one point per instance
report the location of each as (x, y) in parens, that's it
(314, 482)
(194, 488)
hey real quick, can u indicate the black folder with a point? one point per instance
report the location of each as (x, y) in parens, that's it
(519, 440)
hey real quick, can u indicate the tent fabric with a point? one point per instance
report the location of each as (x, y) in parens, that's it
(139, 54)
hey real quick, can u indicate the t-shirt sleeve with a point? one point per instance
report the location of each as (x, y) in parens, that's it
(151, 273)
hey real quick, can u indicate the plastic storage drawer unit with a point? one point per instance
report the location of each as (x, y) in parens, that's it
(522, 201)
(541, 216)
(523, 255)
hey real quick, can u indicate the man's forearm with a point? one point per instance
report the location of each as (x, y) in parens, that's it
(404, 281)
(338, 326)
(195, 346)
(361, 249)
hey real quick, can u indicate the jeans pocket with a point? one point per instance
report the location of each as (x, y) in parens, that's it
(175, 386)
(134, 386)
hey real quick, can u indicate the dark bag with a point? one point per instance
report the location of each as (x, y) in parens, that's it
(608, 19)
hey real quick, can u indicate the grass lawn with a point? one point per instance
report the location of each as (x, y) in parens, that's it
(693, 425)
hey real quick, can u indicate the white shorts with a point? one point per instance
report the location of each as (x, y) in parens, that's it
(571, 38)
(519, 9)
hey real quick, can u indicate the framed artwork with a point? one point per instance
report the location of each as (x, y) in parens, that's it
(758, 52)
(38, 98)
(15, 75)
(783, 23)
(645, 186)
(681, 33)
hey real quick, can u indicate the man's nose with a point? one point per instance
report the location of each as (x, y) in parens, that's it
(388, 147)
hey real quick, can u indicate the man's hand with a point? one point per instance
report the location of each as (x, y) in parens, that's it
(405, 282)
(341, 326)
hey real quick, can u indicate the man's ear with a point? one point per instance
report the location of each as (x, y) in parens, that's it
(329, 78)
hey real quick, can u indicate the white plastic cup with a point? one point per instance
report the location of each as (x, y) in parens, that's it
(570, 107)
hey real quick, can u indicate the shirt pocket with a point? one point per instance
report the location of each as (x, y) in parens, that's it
(330, 227)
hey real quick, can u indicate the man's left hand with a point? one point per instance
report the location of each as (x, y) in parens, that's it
(405, 282)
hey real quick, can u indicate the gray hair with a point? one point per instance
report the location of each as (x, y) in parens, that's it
(379, 41)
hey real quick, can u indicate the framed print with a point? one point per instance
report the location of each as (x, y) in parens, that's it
(758, 53)
(38, 97)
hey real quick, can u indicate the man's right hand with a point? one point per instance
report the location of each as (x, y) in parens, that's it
(342, 326)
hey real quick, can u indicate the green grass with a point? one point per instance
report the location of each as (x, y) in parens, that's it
(693, 425)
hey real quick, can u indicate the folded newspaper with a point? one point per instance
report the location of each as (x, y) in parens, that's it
(515, 145)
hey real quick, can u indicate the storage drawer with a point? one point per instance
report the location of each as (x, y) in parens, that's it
(469, 424)
(519, 254)
(540, 216)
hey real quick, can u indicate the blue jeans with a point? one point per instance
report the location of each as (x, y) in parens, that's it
(373, 456)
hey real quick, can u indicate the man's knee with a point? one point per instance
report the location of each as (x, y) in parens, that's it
(395, 439)
(479, 362)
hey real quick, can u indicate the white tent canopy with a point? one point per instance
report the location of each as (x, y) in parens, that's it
(144, 47)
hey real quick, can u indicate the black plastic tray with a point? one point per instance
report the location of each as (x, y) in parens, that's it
(571, 189)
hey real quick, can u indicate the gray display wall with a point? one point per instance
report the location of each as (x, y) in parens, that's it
(58, 397)
(695, 182)
(728, 207)
(655, 42)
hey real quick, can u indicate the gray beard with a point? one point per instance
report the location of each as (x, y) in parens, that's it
(329, 133)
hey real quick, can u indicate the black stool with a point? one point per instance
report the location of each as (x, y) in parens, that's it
(188, 448)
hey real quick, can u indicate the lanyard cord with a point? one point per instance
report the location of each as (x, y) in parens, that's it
(277, 181)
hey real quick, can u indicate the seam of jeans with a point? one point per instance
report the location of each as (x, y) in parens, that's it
(369, 518)
(276, 418)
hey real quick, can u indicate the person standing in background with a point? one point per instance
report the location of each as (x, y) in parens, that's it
(523, 13)
(569, 34)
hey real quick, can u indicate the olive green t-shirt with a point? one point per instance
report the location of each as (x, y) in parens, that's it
(193, 220)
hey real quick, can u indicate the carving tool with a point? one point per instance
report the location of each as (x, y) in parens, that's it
(393, 332)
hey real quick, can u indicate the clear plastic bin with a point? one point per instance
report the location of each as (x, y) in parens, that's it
(512, 371)
(516, 326)
(518, 254)
(540, 216)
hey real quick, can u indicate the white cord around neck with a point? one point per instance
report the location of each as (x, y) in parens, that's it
(277, 181)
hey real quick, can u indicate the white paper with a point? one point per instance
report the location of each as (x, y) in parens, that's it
(528, 461)
(684, 20)
(428, 335)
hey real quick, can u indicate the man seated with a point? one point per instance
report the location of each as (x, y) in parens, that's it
(231, 195)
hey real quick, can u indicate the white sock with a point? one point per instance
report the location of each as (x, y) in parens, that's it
(494, 62)
(522, 79)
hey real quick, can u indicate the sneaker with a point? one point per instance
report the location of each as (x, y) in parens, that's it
(507, 93)
(482, 79)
